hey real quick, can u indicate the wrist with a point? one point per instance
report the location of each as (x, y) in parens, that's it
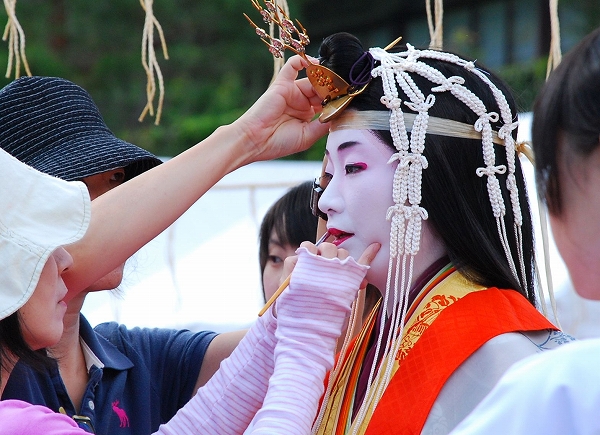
(236, 144)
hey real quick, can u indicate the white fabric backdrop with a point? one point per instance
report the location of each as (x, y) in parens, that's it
(202, 272)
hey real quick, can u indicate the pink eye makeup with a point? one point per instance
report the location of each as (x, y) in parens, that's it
(353, 168)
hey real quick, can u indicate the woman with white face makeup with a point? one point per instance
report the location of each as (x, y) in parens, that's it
(360, 161)
(421, 158)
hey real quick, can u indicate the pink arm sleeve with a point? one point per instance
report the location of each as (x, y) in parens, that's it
(311, 315)
(289, 355)
(229, 400)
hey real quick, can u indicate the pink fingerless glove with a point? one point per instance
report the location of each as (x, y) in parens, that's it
(230, 399)
(310, 318)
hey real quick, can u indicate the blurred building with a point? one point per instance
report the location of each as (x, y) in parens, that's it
(495, 32)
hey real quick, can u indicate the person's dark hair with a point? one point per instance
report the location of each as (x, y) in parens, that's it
(291, 218)
(567, 112)
(455, 198)
(13, 347)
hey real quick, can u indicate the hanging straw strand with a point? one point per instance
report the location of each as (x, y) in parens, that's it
(436, 30)
(16, 41)
(555, 55)
(151, 64)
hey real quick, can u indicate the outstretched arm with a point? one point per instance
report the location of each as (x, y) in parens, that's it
(281, 122)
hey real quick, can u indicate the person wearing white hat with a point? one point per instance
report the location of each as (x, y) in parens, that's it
(39, 214)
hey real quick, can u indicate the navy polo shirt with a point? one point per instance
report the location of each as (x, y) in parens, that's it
(148, 375)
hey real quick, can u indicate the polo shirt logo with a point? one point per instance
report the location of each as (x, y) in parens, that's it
(123, 419)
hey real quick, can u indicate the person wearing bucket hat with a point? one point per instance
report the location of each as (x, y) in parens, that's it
(136, 379)
(54, 126)
(39, 214)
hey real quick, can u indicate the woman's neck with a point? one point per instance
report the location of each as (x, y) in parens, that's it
(69, 354)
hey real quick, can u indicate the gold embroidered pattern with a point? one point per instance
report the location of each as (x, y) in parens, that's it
(425, 318)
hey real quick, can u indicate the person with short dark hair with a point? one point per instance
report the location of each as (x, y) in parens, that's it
(558, 392)
(287, 223)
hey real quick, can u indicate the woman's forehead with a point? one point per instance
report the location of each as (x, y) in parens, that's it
(356, 144)
(342, 140)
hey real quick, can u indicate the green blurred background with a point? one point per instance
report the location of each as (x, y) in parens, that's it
(218, 67)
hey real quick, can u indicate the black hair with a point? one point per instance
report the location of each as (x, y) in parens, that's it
(567, 112)
(291, 218)
(455, 198)
(13, 347)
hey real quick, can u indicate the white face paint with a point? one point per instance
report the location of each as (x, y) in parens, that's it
(358, 196)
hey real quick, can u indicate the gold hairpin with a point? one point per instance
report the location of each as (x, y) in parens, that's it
(335, 92)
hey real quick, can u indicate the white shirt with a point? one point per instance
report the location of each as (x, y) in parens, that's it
(553, 393)
(478, 375)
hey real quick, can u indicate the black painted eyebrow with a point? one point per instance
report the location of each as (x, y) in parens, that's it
(344, 145)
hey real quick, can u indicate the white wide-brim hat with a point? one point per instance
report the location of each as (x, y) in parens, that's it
(38, 213)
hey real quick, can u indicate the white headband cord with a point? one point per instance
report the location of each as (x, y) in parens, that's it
(407, 214)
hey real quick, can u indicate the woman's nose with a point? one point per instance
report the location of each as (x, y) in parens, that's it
(331, 200)
(63, 259)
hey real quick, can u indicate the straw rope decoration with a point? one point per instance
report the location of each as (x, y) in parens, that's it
(151, 64)
(555, 55)
(16, 41)
(436, 30)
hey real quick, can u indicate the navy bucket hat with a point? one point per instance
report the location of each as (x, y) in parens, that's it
(54, 126)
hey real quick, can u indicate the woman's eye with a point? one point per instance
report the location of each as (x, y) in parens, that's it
(355, 167)
(275, 259)
(118, 177)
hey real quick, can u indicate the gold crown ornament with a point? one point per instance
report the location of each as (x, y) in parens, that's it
(335, 92)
